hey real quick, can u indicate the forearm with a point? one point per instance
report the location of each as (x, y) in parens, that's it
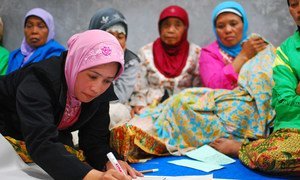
(238, 62)
(94, 138)
(59, 163)
(34, 107)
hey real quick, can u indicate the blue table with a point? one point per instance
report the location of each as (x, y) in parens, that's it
(232, 171)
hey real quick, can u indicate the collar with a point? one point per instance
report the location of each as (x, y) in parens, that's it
(297, 39)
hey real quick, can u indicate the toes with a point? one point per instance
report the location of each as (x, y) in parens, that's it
(219, 140)
(214, 145)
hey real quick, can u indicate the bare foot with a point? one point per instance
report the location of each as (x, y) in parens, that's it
(226, 146)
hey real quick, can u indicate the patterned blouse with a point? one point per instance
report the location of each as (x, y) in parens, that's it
(151, 85)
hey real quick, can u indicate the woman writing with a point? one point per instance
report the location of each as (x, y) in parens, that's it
(42, 103)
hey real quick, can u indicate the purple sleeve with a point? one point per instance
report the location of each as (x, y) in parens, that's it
(213, 72)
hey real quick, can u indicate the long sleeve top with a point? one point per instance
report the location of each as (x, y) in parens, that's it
(32, 102)
(124, 85)
(3, 60)
(16, 58)
(151, 85)
(214, 71)
(286, 75)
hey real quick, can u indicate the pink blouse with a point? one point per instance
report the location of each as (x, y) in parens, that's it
(215, 71)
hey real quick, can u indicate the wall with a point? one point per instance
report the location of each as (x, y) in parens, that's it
(270, 18)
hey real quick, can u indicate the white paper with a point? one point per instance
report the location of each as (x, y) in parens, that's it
(206, 167)
(12, 167)
(209, 155)
(199, 177)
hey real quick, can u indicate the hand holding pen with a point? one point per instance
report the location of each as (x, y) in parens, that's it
(121, 166)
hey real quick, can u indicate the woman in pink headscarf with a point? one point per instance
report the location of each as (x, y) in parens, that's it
(169, 64)
(43, 103)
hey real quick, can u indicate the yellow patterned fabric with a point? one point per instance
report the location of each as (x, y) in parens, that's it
(198, 116)
(21, 149)
(279, 153)
(129, 140)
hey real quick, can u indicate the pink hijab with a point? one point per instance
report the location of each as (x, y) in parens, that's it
(86, 50)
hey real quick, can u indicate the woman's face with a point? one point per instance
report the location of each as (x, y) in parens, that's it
(229, 28)
(295, 10)
(36, 31)
(121, 37)
(92, 82)
(171, 31)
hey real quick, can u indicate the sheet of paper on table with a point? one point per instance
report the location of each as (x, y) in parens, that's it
(202, 166)
(209, 155)
(200, 177)
(12, 167)
(208, 159)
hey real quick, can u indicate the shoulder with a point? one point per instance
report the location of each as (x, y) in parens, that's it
(291, 43)
(145, 52)
(3, 51)
(212, 47)
(194, 48)
(147, 47)
(211, 50)
(288, 52)
(15, 52)
(129, 56)
(210, 56)
(53, 45)
(47, 73)
(50, 70)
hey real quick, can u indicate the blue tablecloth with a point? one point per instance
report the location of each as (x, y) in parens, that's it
(232, 171)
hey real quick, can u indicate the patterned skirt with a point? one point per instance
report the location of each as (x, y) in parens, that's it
(279, 153)
(21, 149)
(198, 116)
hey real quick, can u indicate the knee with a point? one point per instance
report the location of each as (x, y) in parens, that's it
(266, 162)
(277, 162)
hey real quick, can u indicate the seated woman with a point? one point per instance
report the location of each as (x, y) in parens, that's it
(280, 152)
(169, 64)
(38, 43)
(221, 61)
(198, 116)
(43, 103)
(116, 25)
(3, 52)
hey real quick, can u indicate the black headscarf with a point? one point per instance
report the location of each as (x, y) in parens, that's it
(107, 17)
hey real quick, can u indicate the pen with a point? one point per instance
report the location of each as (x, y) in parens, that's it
(148, 170)
(115, 163)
